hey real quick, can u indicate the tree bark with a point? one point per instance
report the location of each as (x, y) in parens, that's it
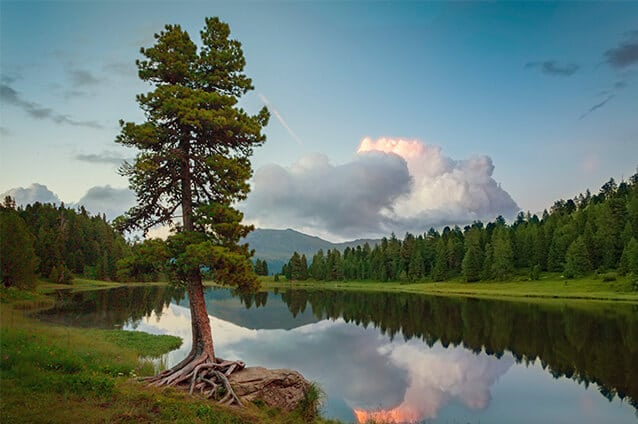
(200, 323)
(187, 191)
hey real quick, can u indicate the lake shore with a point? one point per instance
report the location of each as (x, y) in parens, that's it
(90, 374)
(548, 288)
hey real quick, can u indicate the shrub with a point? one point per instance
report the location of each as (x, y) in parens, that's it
(310, 405)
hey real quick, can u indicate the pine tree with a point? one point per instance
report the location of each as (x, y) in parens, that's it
(18, 261)
(503, 259)
(439, 272)
(472, 263)
(577, 261)
(630, 257)
(194, 161)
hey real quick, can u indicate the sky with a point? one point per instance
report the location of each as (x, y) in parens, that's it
(386, 116)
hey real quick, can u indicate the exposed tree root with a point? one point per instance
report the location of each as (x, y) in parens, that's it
(203, 374)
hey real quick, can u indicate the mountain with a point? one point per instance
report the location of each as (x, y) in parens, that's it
(277, 246)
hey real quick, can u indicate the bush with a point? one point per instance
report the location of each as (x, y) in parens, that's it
(610, 276)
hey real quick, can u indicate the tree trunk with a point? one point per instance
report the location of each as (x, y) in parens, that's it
(200, 323)
(200, 369)
(202, 337)
(187, 191)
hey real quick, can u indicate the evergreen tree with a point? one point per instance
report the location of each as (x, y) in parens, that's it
(18, 261)
(503, 259)
(472, 263)
(294, 266)
(194, 161)
(318, 266)
(439, 272)
(577, 261)
(630, 257)
(303, 268)
(416, 268)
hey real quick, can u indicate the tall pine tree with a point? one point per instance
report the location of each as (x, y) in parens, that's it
(193, 162)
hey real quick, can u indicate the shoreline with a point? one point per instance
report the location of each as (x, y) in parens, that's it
(551, 290)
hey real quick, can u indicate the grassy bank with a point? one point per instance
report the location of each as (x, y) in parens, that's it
(54, 374)
(549, 287)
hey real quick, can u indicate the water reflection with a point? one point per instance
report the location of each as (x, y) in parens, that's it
(376, 377)
(406, 358)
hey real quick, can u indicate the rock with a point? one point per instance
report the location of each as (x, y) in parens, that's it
(282, 388)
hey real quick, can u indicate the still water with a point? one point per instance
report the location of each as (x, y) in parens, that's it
(404, 358)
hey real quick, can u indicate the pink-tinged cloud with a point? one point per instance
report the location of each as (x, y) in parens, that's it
(393, 185)
(436, 377)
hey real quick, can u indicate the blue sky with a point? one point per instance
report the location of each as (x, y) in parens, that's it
(546, 91)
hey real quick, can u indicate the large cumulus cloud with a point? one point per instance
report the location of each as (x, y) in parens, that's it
(353, 198)
(392, 185)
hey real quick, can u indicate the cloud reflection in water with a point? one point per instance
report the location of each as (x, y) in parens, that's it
(378, 378)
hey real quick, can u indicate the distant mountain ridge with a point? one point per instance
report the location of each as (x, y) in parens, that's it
(277, 246)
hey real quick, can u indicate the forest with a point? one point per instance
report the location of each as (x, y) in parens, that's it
(57, 242)
(576, 237)
(592, 233)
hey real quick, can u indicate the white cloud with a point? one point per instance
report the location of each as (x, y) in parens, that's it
(353, 198)
(392, 185)
(446, 191)
(108, 200)
(97, 200)
(34, 193)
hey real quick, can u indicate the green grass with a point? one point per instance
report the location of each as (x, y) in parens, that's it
(143, 343)
(84, 284)
(550, 286)
(56, 374)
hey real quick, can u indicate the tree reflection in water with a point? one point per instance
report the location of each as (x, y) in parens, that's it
(407, 355)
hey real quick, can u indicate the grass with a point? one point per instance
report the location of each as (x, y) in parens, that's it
(550, 286)
(84, 284)
(55, 374)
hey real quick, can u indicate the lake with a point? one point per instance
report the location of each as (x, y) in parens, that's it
(404, 357)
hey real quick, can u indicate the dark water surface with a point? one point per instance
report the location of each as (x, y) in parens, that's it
(404, 357)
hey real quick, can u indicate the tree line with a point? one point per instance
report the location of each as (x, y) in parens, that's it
(589, 233)
(587, 345)
(56, 242)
